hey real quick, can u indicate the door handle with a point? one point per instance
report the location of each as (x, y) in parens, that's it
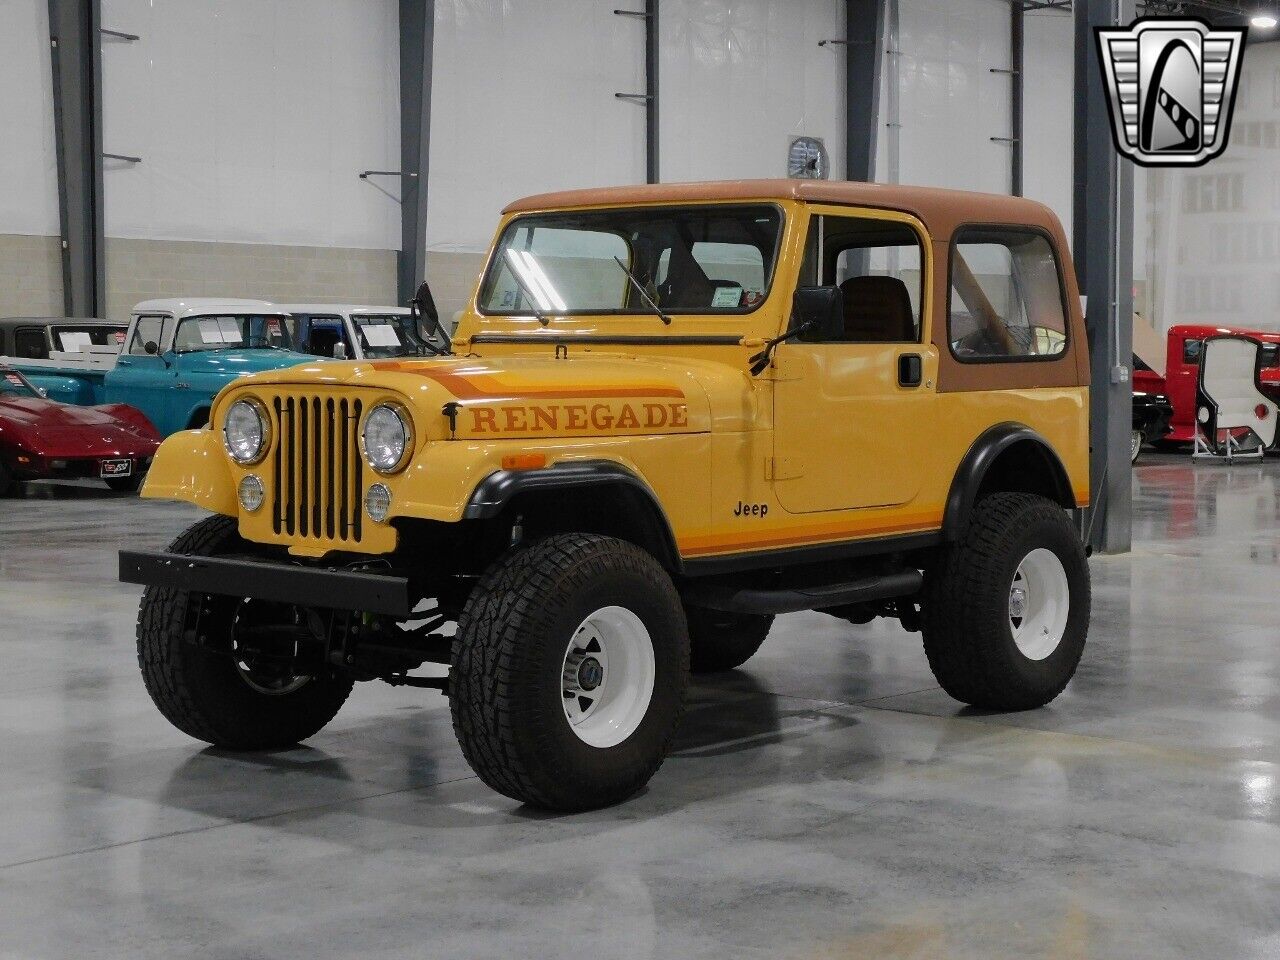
(910, 370)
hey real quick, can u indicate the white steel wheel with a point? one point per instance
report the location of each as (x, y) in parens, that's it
(1039, 602)
(607, 678)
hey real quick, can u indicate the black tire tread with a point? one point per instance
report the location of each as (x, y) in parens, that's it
(968, 661)
(489, 656)
(167, 676)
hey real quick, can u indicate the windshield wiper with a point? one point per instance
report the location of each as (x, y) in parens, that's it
(529, 295)
(640, 290)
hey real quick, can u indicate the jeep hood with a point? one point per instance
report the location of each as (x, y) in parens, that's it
(529, 397)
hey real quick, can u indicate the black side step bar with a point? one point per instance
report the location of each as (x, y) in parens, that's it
(736, 599)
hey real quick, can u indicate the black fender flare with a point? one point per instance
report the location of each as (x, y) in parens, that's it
(492, 495)
(978, 460)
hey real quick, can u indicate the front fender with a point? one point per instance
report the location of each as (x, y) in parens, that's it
(191, 466)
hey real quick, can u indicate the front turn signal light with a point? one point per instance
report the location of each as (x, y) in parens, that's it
(524, 461)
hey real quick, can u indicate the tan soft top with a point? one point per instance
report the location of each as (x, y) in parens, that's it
(940, 210)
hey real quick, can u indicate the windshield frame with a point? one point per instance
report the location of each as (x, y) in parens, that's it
(244, 345)
(32, 390)
(493, 262)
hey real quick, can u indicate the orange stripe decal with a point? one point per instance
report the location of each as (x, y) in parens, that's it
(812, 534)
(485, 387)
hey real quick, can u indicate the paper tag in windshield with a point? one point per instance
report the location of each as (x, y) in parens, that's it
(380, 335)
(219, 330)
(273, 326)
(14, 379)
(73, 341)
(726, 297)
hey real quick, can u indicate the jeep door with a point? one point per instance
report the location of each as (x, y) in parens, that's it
(854, 416)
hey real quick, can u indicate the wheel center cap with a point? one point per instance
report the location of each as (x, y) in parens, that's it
(1017, 602)
(590, 673)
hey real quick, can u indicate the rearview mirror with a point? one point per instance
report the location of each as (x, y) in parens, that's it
(339, 351)
(820, 311)
(151, 347)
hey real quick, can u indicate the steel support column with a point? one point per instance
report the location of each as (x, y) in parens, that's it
(76, 56)
(1103, 242)
(864, 27)
(651, 163)
(417, 32)
(1017, 61)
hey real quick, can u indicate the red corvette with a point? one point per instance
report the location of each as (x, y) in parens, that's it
(42, 439)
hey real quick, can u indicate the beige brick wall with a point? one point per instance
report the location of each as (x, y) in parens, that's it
(30, 276)
(453, 279)
(142, 269)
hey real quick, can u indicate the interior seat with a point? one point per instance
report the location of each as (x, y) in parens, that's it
(877, 310)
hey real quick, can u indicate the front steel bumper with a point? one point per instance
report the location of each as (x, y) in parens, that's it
(279, 582)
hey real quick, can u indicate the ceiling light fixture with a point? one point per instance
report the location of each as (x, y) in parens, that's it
(1263, 21)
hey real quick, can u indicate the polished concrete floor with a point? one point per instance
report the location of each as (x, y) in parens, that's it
(827, 801)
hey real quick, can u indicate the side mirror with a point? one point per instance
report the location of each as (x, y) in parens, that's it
(820, 310)
(339, 351)
(151, 347)
(426, 304)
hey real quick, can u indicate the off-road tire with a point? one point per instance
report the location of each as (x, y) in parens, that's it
(505, 687)
(200, 690)
(965, 605)
(125, 484)
(719, 640)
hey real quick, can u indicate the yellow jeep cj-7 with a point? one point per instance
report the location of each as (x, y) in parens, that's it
(669, 413)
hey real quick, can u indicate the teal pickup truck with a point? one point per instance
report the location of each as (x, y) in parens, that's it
(176, 356)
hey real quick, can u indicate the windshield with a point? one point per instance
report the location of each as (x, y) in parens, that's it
(14, 384)
(389, 335)
(231, 332)
(709, 259)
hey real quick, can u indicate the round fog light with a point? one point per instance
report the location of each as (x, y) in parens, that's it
(251, 493)
(377, 502)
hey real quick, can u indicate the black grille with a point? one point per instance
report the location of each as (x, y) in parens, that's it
(316, 468)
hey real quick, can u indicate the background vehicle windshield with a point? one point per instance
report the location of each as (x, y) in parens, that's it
(390, 335)
(14, 384)
(709, 259)
(231, 332)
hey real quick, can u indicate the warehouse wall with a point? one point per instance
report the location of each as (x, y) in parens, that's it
(253, 123)
(523, 102)
(1207, 239)
(1048, 110)
(30, 254)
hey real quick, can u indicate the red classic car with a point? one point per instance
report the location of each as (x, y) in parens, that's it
(42, 439)
(1182, 368)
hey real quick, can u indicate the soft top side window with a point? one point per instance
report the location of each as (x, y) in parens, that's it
(1006, 296)
(878, 266)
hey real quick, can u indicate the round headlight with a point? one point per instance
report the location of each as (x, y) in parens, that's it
(246, 431)
(387, 437)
